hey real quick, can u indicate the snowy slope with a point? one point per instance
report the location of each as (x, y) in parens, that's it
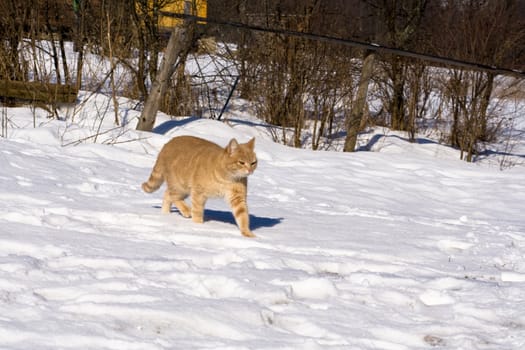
(407, 248)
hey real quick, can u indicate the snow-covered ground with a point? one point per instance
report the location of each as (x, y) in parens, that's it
(403, 248)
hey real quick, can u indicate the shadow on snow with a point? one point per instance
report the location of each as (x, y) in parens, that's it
(227, 217)
(172, 124)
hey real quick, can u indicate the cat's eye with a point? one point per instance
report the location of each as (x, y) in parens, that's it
(253, 163)
(241, 162)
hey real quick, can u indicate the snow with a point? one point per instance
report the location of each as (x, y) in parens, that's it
(403, 248)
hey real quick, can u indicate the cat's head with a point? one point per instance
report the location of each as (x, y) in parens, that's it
(240, 159)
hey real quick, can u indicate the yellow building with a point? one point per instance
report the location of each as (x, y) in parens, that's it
(195, 7)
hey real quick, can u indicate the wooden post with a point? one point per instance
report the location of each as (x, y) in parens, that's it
(179, 42)
(355, 121)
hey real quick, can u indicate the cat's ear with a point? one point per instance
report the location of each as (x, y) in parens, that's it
(251, 143)
(232, 146)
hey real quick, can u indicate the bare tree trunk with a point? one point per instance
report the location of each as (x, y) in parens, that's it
(67, 78)
(484, 133)
(112, 73)
(358, 106)
(415, 81)
(13, 17)
(180, 40)
(80, 65)
(54, 51)
(397, 103)
(79, 41)
(34, 36)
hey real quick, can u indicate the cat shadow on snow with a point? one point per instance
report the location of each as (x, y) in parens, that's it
(227, 217)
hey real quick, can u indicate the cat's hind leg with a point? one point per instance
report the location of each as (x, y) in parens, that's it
(183, 208)
(166, 203)
(173, 197)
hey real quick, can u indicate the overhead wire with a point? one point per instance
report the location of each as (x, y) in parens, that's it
(447, 61)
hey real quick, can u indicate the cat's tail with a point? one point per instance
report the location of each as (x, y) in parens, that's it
(155, 180)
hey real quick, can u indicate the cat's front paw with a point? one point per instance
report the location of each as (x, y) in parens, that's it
(248, 233)
(197, 219)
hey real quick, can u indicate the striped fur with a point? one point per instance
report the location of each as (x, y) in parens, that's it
(196, 168)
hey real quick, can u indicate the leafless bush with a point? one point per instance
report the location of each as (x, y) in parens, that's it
(301, 86)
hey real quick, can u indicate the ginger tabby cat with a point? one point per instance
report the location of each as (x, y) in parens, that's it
(200, 169)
